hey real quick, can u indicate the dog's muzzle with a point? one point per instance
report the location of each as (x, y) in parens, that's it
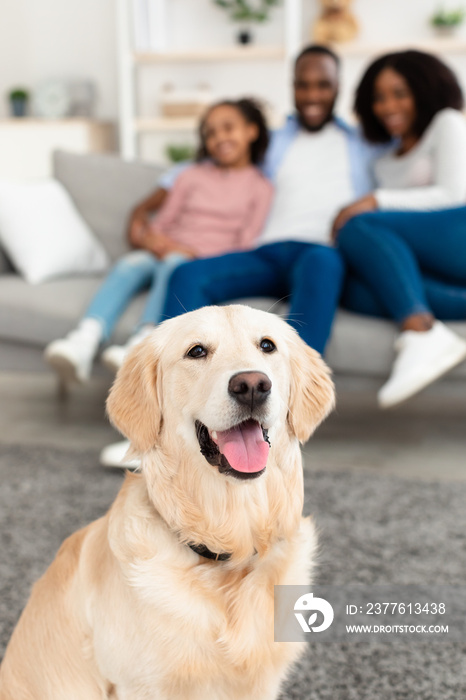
(241, 450)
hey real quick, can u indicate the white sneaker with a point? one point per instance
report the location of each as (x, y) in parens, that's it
(114, 356)
(115, 456)
(71, 358)
(423, 357)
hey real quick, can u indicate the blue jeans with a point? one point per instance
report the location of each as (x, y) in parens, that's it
(134, 273)
(309, 273)
(404, 263)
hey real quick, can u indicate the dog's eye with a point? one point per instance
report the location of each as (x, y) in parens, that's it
(267, 345)
(197, 351)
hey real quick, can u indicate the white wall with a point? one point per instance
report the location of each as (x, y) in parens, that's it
(43, 39)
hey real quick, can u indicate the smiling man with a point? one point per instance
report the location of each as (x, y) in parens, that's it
(318, 164)
(316, 161)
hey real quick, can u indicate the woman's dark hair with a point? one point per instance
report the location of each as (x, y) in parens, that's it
(433, 84)
(251, 110)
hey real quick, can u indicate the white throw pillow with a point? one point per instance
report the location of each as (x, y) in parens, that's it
(43, 233)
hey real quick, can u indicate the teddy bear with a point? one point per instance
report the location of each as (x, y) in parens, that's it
(336, 22)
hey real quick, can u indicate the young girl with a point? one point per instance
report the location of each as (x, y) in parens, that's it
(405, 243)
(217, 205)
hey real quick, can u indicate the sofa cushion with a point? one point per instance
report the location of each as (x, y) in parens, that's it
(37, 315)
(44, 234)
(105, 189)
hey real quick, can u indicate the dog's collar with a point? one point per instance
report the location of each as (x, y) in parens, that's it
(208, 554)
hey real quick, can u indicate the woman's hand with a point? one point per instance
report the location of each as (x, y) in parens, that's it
(360, 206)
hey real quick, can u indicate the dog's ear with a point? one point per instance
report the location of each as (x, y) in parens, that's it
(312, 394)
(133, 404)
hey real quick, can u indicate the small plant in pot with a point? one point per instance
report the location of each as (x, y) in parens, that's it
(247, 12)
(179, 152)
(19, 99)
(446, 22)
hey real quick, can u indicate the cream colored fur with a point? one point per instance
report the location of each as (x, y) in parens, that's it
(127, 610)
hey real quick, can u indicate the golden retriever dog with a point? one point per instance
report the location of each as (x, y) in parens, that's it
(170, 596)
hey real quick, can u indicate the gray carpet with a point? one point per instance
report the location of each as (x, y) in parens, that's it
(373, 530)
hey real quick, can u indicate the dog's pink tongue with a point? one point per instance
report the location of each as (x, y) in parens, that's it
(244, 447)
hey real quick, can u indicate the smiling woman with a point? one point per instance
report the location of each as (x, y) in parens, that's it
(408, 260)
(409, 84)
(394, 107)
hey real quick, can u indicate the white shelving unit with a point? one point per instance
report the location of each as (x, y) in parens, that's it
(435, 45)
(232, 53)
(131, 62)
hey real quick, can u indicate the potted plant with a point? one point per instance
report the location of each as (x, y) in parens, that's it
(445, 22)
(19, 99)
(247, 12)
(179, 152)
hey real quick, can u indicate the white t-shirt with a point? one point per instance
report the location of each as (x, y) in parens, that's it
(432, 175)
(313, 183)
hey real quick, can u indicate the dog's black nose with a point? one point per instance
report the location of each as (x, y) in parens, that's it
(250, 388)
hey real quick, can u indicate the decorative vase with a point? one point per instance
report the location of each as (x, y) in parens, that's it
(446, 32)
(245, 36)
(18, 107)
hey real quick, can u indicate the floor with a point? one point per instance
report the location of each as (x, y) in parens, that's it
(423, 439)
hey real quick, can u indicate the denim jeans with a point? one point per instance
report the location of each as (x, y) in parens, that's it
(134, 273)
(309, 273)
(403, 263)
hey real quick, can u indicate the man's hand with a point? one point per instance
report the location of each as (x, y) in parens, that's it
(139, 220)
(159, 244)
(162, 245)
(138, 230)
(360, 206)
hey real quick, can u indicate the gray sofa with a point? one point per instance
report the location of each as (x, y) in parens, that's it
(105, 189)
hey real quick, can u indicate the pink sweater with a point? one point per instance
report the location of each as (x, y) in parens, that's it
(215, 211)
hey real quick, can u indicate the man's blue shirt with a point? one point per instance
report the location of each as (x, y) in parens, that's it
(360, 153)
